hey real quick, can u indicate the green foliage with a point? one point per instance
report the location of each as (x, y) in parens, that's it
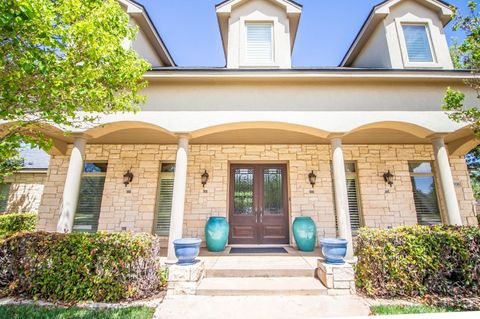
(63, 63)
(81, 267)
(13, 223)
(419, 260)
(466, 55)
(34, 312)
(402, 309)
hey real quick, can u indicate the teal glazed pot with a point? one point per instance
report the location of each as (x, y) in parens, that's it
(216, 233)
(305, 233)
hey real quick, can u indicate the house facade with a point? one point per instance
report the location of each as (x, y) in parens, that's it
(261, 142)
(22, 192)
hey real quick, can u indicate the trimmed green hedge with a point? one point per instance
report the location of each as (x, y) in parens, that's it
(18, 222)
(419, 260)
(81, 267)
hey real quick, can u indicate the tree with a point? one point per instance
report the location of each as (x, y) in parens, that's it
(64, 62)
(466, 55)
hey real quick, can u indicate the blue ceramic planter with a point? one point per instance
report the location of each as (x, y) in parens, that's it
(216, 233)
(186, 250)
(305, 233)
(334, 250)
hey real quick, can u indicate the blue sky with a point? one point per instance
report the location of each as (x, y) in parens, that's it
(327, 28)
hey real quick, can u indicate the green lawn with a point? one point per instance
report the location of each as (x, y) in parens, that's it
(400, 309)
(34, 312)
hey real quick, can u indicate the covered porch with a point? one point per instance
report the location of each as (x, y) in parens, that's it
(146, 150)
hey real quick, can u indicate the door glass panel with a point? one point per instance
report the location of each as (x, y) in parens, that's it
(272, 191)
(243, 191)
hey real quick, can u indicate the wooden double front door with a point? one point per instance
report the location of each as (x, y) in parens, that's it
(258, 212)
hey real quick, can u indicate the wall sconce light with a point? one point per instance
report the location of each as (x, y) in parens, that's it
(127, 178)
(388, 177)
(204, 178)
(312, 178)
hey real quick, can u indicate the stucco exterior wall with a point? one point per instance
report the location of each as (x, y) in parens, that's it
(132, 208)
(375, 53)
(25, 192)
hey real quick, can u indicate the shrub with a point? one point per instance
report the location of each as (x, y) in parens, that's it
(418, 261)
(80, 267)
(18, 222)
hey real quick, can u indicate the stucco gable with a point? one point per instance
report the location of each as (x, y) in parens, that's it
(147, 30)
(225, 8)
(380, 12)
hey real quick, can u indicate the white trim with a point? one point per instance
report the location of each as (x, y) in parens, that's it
(307, 75)
(427, 23)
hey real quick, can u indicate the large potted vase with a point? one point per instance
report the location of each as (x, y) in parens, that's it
(186, 250)
(216, 233)
(305, 233)
(334, 250)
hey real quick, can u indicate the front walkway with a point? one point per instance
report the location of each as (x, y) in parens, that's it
(261, 307)
(261, 286)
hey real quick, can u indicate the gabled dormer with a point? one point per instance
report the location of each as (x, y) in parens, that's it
(258, 33)
(402, 34)
(148, 42)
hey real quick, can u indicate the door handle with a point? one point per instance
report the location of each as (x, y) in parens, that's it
(261, 217)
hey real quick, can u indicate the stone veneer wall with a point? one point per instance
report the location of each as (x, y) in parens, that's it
(25, 192)
(132, 209)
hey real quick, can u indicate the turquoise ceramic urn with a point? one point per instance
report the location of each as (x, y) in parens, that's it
(216, 233)
(305, 233)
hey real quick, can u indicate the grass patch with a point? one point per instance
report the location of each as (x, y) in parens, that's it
(403, 309)
(35, 312)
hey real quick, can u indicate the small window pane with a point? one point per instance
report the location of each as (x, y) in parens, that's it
(425, 198)
(89, 204)
(168, 168)
(350, 167)
(418, 46)
(95, 167)
(259, 43)
(4, 192)
(422, 168)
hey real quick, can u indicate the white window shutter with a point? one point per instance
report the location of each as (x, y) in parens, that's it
(259, 43)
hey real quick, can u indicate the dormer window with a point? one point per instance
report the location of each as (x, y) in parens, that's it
(417, 42)
(259, 43)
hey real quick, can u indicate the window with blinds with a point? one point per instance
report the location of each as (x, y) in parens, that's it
(353, 196)
(4, 192)
(417, 43)
(424, 193)
(259, 43)
(90, 198)
(164, 199)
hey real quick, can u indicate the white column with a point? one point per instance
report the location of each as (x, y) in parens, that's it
(178, 199)
(341, 195)
(446, 180)
(71, 189)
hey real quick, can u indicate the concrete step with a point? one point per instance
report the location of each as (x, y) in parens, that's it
(260, 272)
(258, 286)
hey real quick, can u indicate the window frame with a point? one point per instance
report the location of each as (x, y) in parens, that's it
(432, 174)
(8, 185)
(161, 175)
(248, 62)
(354, 176)
(403, 43)
(92, 174)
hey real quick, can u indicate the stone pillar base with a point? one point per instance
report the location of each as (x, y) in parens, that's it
(184, 280)
(339, 279)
